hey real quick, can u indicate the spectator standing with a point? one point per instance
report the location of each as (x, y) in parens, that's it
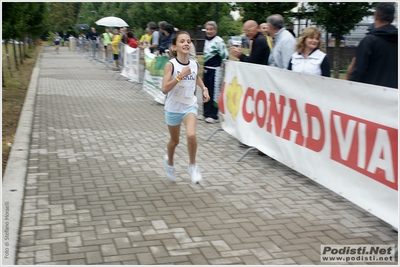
(169, 32)
(80, 42)
(116, 40)
(57, 40)
(155, 36)
(353, 60)
(84, 40)
(131, 40)
(107, 37)
(93, 36)
(179, 84)
(146, 38)
(260, 50)
(123, 32)
(214, 52)
(264, 29)
(290, 29)
(162, 35)
(309, 57)
(121, 54)
(284, 42)
(377, 54)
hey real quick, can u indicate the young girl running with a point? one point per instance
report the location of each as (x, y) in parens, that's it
(179, 84)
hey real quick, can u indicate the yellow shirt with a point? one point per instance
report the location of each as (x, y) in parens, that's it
(269, 41)
(115, 43)
(145, 37)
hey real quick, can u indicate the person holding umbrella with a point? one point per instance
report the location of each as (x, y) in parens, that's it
(107, 36)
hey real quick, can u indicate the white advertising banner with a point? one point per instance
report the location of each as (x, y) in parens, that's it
(341, 134)
(131, 63)
(153, 75)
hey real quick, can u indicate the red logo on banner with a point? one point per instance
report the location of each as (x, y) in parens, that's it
(367, 147)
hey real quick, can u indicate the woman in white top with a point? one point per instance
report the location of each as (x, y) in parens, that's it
(309, 57)
(179, 84)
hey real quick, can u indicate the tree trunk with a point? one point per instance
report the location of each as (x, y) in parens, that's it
(24, 48)
(20, 52)
(8, 58)
(15, 55)
(336, 58)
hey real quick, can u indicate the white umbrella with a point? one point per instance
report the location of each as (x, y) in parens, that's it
(112, 22)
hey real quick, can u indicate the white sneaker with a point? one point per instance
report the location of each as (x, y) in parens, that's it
(211, 120)
(169, 170)
(195, 173)
(201, 117)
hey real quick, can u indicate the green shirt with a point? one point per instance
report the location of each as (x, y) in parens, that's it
(107, 38)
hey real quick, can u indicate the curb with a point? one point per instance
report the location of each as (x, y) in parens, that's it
(16, 171)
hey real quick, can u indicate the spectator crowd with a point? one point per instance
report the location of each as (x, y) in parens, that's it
(271, 44)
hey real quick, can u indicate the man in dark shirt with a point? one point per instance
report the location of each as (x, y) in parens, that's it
(92, 38)
(377, 54)
(260, 50)
(259, 53)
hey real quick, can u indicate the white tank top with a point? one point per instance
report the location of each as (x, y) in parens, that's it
(182, 97)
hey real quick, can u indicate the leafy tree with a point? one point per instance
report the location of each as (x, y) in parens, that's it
(36, 19)
(14, 23)
(338, 18)
(228, 26)
(63, 15)
(144, 12)
(88, 14)
(195, 14)
(259, 11)
(13, 19)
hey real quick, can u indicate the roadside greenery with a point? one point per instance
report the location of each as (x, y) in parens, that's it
(14, 87)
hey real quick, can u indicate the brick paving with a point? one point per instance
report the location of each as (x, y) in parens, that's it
(96, 192)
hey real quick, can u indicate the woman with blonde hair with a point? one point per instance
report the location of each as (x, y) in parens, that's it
(309, 57)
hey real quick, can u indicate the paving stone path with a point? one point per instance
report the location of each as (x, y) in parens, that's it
(96, 192)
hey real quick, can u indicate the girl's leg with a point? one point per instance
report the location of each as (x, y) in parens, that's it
(174, 132)
(190, 121)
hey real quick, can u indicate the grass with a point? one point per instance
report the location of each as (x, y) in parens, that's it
(15, 85)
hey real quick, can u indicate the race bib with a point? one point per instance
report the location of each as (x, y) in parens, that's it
(182, 95)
